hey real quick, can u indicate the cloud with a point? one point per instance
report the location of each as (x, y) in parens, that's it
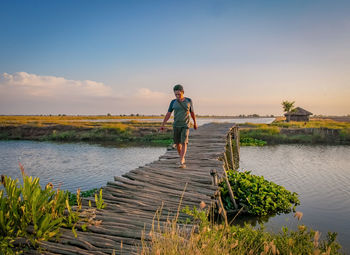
(25, 93)
(144, 93)
(51, 86)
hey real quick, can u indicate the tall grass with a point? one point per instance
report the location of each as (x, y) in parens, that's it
(209, 238)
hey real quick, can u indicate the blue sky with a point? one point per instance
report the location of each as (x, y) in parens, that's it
(233, 57)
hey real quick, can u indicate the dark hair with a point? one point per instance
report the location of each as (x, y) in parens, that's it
(178, 87)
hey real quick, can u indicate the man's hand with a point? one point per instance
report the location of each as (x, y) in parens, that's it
(195, 126)
(162, 128)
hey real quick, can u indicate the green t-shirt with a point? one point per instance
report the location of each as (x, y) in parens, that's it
(181, 116)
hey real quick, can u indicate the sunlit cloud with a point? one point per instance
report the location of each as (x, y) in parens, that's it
(25, 93)
(51, 86)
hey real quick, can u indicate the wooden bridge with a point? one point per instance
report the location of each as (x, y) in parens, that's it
(133, 199)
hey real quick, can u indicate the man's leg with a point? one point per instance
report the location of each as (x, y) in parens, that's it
(179, 147)
(183, 153)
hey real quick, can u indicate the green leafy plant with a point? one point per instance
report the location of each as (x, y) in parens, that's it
(31, 212)
(249, 141)
(259, 196)
(73, 197)
(100, 204)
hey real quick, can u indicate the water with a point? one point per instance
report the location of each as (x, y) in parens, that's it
(72, 166)
(321, 177)
(82, 165)
(319, 174)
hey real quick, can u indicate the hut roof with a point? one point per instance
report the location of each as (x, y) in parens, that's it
(298, 111)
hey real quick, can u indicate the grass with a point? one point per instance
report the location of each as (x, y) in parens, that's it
(202, 235)
(85, 129)
(316, 131)
(207, 237)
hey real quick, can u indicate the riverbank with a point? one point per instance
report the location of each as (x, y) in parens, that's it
(84, 129)
(316, 131)
(122, 131)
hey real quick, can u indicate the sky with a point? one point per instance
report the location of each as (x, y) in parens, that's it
(123, 57)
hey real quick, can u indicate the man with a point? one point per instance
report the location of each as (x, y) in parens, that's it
(183, 108)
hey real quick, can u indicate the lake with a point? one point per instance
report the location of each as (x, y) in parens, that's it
(83, 165)
(319, 174)
(321, 177)
(72, 165)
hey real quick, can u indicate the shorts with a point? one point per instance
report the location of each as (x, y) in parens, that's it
(181, 134)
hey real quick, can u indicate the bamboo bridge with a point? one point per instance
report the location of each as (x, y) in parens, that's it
(133, 199)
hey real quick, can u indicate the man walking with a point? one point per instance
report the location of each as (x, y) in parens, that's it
(183, 108)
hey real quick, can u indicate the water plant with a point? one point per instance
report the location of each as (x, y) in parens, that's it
(257, 195)
(249, 141)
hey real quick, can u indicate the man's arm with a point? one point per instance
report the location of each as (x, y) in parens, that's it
(193, 115)
(166, 118)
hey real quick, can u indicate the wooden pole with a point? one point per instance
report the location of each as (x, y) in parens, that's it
(231, 151)
(224, 214)
(237, 147)
(229, 186)
(214, 175)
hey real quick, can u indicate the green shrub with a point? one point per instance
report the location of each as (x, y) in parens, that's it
(31, 212)
(249, 141)
(259, 196)
(73, 197)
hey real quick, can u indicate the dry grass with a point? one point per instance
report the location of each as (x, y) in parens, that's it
(313, 123)
(79, 121)
(208, 238)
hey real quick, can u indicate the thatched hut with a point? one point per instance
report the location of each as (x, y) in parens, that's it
(298, 114)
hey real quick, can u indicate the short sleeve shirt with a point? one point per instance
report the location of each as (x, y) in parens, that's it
(181, 116)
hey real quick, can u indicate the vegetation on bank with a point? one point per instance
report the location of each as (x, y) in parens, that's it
(317, 131)
(249, 141)
(207, 237)
(114, 133)
(30, 214)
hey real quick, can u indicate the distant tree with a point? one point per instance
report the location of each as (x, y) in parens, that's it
(108, 114)
(288, 106)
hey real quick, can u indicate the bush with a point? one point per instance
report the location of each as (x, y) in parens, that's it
(249, 141)
(257, 195)
(30, 212)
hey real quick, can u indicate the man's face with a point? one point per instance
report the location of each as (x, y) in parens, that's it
(178, 94)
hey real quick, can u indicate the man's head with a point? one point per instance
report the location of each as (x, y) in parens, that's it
(178, 91)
